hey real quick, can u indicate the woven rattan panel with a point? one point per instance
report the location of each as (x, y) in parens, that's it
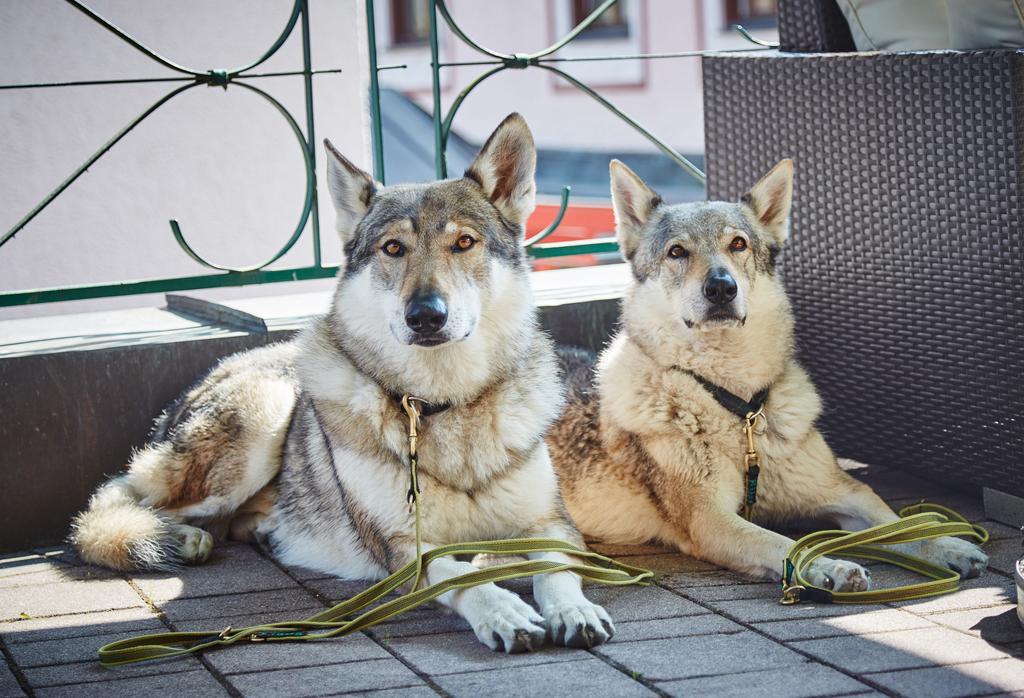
(905, 262)
(813, 26)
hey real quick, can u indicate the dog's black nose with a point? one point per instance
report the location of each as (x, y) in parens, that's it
(426, 313)
(719, 286)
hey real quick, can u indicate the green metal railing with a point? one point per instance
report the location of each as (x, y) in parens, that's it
(227, 275)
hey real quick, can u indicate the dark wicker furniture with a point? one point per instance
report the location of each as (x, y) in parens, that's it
(906, 263)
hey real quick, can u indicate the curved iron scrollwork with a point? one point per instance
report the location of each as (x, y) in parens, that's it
(194, 78)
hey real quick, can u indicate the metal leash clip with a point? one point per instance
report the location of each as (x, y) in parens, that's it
(751, 462)
(408, 404)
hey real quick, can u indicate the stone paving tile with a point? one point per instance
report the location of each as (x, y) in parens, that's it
(999, 531)
(82, 648)
(60, 553)
(587, 676)
(421, 691)
(233, 569)
(67, 597)
(640, 603)
(245, 620)
(903, 649)
(978, 678)
(326, 680)
(731, 592)
(26, 562)
(700, 655)
(869, 620)
(997, 624)
(668, 563)
(662, 628)
(801, 681)
(987, 590)
(336, 590)
(197, 684)
(55, 573)
(761, 610)
(700, 580)
(61, 627)
(91, 671)
(285, 601)
(452, 653)
(9, 687)
(1003, 554)
(251, 657)
(422, 621)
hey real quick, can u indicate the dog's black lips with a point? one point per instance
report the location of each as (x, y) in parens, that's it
(429, 341)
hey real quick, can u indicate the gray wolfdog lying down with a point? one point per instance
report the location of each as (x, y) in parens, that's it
(302, 445)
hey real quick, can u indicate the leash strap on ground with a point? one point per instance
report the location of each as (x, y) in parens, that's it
(342, 619)
(917, 522)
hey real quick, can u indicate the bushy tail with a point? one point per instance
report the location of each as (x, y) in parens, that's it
(116, 531)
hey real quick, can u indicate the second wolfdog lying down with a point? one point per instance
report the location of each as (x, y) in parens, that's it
(654, 448)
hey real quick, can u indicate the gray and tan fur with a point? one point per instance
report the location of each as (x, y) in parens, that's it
(645, 453)
(300, 446)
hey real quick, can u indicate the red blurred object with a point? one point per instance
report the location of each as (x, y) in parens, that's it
(581, 222)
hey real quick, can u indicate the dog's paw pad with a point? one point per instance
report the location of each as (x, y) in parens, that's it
(511, 626)
(840, 575)
(961, 556)
(196, 544)
(582, 625)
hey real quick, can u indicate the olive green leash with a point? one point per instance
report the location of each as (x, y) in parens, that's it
(355, 614)
(917, 522)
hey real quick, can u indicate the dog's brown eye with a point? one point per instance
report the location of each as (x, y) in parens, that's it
(678, 252)
(464, 243)
(393, 248)
(738, 244)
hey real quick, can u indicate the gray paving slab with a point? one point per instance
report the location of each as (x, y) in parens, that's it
(54, 573)
(250, 657)
(336, 590)
(233, 569)
(688, 657)
(620, 550)
(902, 649)
(769, 609)
(424, 621)
(661, 628)
(642, 603)
(703, 579)
(980, 592)
(667, 564)
(1003, 554)
(279, 600)
(977, 678)
(81, 648)
(997, 624)
(91, 671)
(807, 680)
(129, 620)
(60, 553)
(189, 684)
(421, 691)
(245, 620)
(999, 531)
(730, 592)
(586, 676)
(453, 653)
(26, 562)
(61, 598)
(868, 620)
(9, 686)
(327, 680)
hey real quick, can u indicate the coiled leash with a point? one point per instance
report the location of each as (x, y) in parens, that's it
(353, 615)
(918, 522)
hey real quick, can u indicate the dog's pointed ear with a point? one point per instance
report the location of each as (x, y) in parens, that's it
(504, 168)
(771, 198)
(351, 191)
(633, 202)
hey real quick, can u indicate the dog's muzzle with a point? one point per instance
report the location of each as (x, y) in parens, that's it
(426, 315)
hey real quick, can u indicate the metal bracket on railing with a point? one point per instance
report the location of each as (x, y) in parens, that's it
(553, 225)
(216, 78)
(753, 39)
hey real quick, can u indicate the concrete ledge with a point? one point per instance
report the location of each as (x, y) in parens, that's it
(79, 392)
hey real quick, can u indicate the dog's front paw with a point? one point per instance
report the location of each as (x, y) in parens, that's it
(579, 624)
(839, 575)
(961, 556)
(508, 624)
(196, 544)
